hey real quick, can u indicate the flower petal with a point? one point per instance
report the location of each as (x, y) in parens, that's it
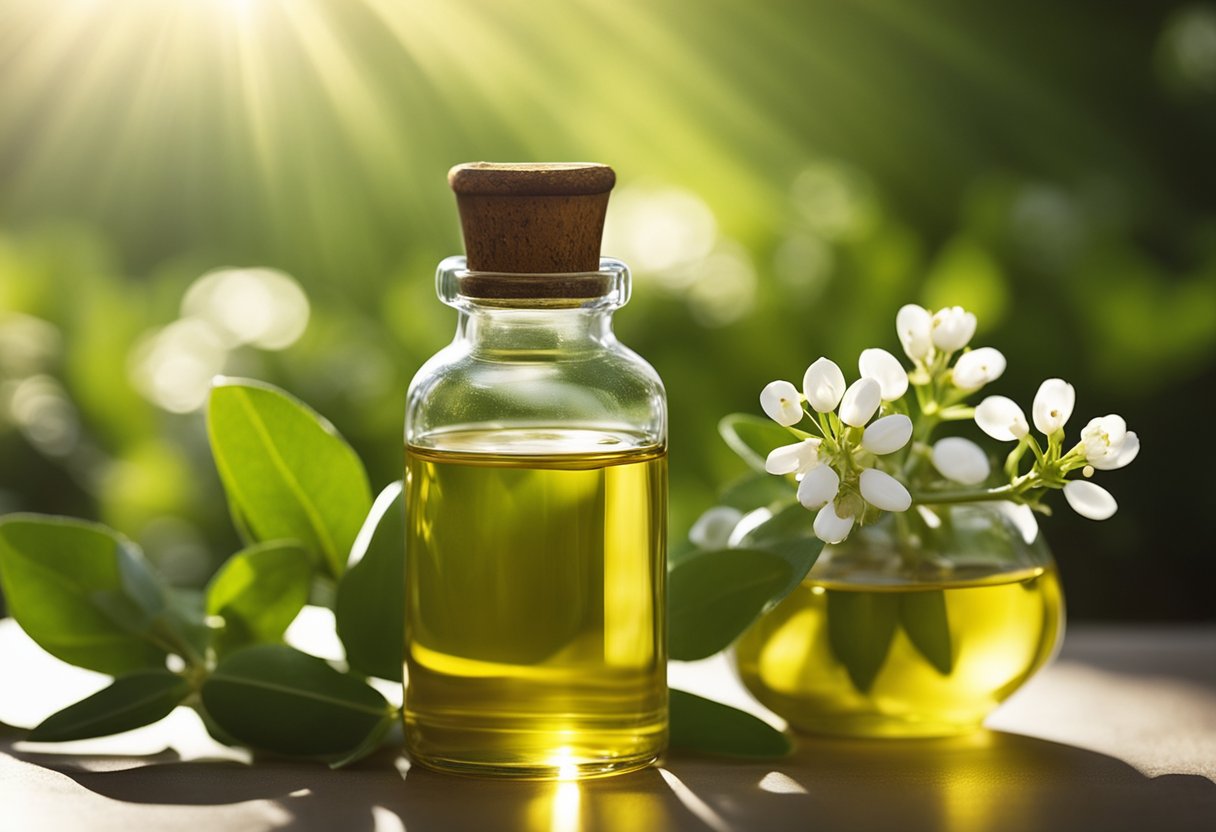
(952, 328)
(781, 403)
(1001, 418)
(823, 385)
(860, 401)
(884, 368)
(888, 434)
(790, 459)
(1090, 500)
(830, 527)
(883, 491)
(979, 367)
(1053, 405)
(818, 486)
(914, 324)
(961, 460)
(712, 529)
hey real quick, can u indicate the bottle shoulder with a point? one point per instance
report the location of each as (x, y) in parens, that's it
(611, 388)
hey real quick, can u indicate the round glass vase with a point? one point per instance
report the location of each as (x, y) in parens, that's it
(916, 626)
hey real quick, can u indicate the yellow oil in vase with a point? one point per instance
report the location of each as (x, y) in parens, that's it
(875, 658)
(534, 637)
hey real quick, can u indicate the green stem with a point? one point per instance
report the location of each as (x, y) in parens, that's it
(1003, 492)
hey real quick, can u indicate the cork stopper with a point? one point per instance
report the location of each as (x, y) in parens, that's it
(532, 218)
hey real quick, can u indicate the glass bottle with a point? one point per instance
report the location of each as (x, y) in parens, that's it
(916, 626)
(536, 487)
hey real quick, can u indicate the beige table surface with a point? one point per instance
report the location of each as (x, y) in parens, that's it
(1119, 733)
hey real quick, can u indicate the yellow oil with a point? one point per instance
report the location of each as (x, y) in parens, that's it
(535, 640)
(833, 677)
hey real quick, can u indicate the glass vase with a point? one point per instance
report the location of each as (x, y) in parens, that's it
(916, 626)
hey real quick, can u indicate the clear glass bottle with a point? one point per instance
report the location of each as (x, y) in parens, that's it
(536, 487)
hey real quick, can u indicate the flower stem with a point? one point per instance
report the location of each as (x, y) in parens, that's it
(1004, 492)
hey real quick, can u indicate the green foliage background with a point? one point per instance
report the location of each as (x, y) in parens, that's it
(1047, 165)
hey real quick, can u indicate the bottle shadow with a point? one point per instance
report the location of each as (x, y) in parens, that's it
(989, 781)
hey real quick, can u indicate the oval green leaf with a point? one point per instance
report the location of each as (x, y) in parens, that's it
(287, 472)
(925, 620)
(708, 727)
(258, 592)
(132, 701)
(369, 610)
(757, 490)
(81, 591)
(713, 596)
(274, 698)
(752, 437)
(789, 534)
(861, 627)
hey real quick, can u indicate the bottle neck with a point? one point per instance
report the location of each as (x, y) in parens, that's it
(497, 333)
(533, 317)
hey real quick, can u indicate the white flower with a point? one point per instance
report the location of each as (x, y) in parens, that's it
(883, 491)
(793, 459)
(712, 529)
(823, 385)
(860, 401)
(961, 460)
(914, 326)
(884, 368)
(979, 367)
(1053, 405)
(952, 328)
(887, 435)
(1108, 443)
(1001, 419)
(781, 403)
(830, 527)
(1089, 500)
(818, 487)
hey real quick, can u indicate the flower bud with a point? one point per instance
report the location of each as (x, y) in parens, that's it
(884, 368)
(961, 460)
(793, 459)
(823, 385)
(887, 435)
(979, 367)
(1001, 418)
(914, 325)
(1090, 500)
(860, 401)
(781, 403)
(952, 328)
(883, 491)
(818, 486)
(1053, 405)
(831, 527)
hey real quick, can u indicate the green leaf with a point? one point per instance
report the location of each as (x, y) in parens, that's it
(924, 619)
(274, 698)
(752, 437)
(699, 724)
(370, 606)
(861, 626)
(752, 491)
(258, 592)
(82, 592)
(370, 744)
(287, 472)
(713, 596)
(789, 534)
(131, 701)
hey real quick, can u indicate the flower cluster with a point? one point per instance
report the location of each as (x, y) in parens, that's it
(865, 443)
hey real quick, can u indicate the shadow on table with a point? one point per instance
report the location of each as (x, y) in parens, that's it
(990, 781)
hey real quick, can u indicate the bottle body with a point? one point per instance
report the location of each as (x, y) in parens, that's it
(535, 545)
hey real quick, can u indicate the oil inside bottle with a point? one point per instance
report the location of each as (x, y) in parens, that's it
(535, 591)
(849, 656)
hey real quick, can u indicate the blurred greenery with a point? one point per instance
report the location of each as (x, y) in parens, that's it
(790, 174)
